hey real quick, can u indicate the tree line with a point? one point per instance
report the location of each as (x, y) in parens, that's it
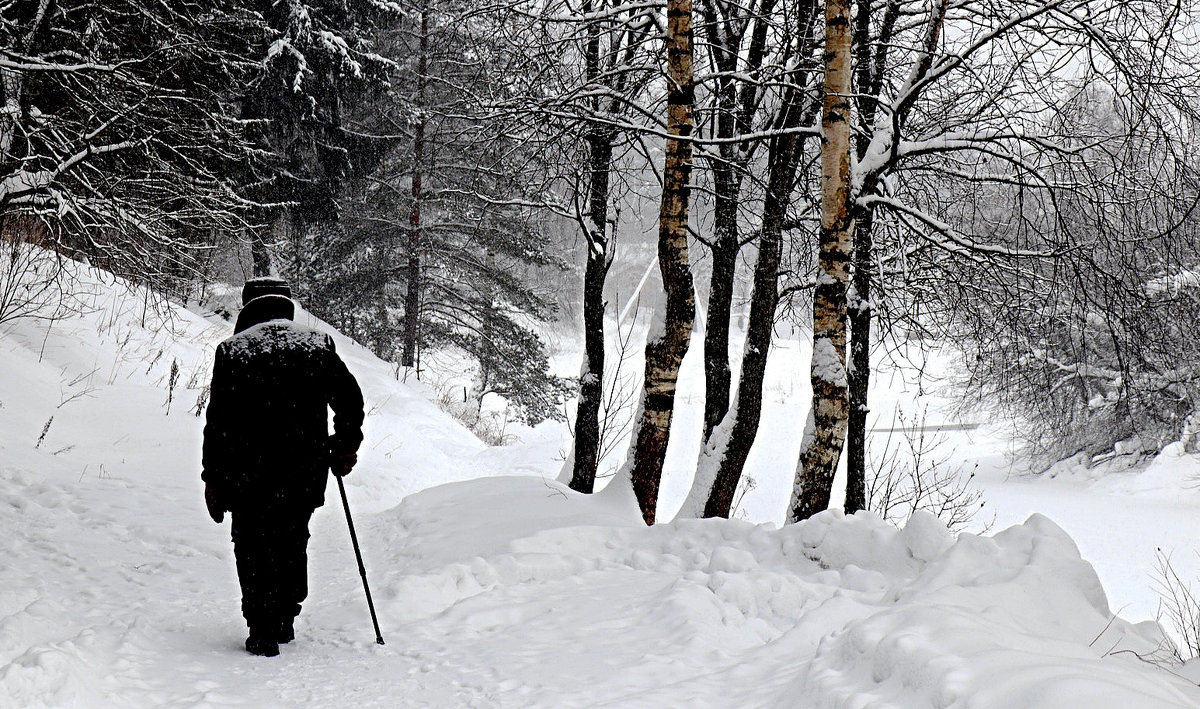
(1012, 176)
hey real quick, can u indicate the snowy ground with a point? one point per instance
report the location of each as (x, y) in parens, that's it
(509, 590)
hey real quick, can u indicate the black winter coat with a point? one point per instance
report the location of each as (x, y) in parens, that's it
(266, 441)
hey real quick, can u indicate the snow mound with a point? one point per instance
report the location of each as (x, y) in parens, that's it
(569, 603)
(1169, 475)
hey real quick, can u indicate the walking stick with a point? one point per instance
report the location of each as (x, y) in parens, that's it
(362, 571)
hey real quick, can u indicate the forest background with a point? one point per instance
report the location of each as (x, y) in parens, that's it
(1016, 178)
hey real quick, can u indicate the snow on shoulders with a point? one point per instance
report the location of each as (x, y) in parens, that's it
(272, 338)
(279, 330)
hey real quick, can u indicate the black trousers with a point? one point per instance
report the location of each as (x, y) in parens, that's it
(271, 547)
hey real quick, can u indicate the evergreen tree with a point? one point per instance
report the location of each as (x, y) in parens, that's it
(313, 58)
(438, 246)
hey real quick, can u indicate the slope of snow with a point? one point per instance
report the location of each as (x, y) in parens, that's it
(496, 590)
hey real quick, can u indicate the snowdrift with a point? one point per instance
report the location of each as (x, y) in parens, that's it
(834, 612)
(493, 589)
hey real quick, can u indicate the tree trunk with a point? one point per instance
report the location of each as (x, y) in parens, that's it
(726, 243)
(859, 306)
(869, 74)
(11, 86)
(717, 377)
(665, 350)
(825, 430)
(748, 410)
(585, 457)
(782, 157)
(260, 257)
(412, 300)
(724, 457)
(591, 383)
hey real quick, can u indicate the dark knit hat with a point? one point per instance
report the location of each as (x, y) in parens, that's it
(265, 285)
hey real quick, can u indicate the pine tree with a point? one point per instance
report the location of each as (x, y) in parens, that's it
(439, 244)
(313, 58)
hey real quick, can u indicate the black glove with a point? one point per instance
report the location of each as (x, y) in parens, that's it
(215, 509)
(343, 464)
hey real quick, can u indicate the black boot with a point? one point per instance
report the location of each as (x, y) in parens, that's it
(286, 632)
(259, 644)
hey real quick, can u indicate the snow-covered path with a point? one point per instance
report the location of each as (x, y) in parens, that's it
(124, 604)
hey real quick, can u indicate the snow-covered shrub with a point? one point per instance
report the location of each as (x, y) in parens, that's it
(1188, 436)
(1097, 380)
(1079, 316)
(489, 426)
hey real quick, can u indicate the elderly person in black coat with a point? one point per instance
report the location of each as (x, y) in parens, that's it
(267, 451)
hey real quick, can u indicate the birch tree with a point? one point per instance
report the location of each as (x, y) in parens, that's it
(825, 431)
(669, 340)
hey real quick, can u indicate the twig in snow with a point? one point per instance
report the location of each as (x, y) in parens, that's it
(45, 430)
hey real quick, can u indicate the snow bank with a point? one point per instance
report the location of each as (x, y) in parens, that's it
(98, 371)
(580, 605)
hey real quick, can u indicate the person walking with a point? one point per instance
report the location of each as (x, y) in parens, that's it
(267, 451)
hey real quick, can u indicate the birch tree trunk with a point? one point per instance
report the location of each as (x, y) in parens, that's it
(825, 430)
(665, 349)
(12, 86)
